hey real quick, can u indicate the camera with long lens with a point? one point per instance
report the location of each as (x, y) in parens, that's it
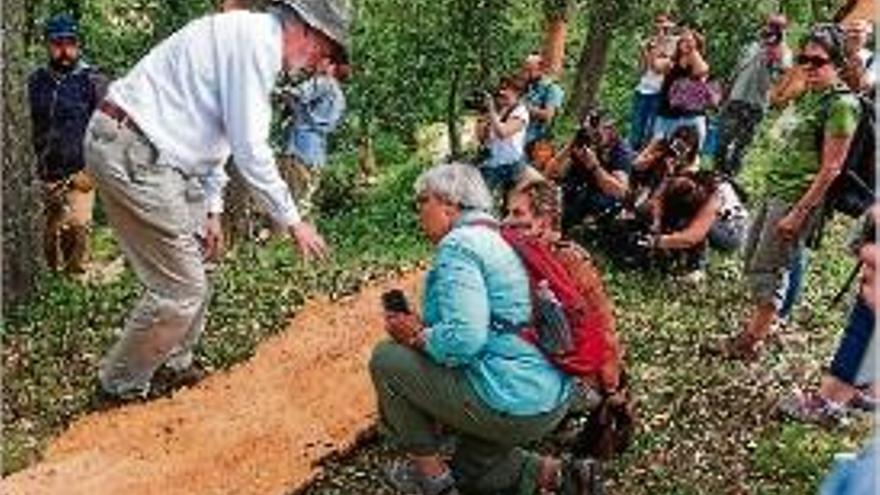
(588, 134)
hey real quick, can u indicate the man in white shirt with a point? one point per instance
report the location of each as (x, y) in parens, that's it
(157, 145)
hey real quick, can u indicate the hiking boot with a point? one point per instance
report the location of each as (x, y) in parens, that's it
(581, 477)
(102, 400)
(167, 380)
(810, 407)
(405, 478)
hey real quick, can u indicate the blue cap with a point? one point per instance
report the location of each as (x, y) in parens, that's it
(61, 26)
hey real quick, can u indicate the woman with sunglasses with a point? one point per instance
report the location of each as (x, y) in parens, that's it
(801, 170)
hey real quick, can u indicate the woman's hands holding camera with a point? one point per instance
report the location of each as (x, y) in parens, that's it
(405, 328)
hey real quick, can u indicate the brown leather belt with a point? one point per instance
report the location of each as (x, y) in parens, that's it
(116, 113)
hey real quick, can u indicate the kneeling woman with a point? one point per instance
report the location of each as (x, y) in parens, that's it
(683, 211)
(459, 369)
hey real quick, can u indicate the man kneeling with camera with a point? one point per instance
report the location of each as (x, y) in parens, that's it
(596, 178)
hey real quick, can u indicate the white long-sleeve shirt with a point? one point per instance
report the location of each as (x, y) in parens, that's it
(205, 92)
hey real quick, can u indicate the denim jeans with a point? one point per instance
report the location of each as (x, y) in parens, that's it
(854, 344)
(797, 269)
(644, 111)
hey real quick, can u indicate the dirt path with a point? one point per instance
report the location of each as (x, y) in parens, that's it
(256, 429)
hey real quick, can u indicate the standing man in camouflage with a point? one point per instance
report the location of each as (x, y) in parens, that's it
(62, 97)
(157, 147)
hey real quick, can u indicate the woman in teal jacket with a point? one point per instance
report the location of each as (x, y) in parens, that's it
(455, 369)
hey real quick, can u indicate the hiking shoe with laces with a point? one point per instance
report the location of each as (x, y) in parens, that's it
(405, 478)
(810, 407)
(581, 477)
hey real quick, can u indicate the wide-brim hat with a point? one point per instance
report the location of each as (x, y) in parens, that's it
(330, 17)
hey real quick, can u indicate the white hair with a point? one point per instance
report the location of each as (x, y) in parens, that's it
(456, 183)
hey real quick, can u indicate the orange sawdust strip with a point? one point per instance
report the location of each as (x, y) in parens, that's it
(257, 429)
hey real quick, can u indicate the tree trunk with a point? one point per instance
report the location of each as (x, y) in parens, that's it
(452, 114)
(594, 56)
(22, 219)
(556, 29)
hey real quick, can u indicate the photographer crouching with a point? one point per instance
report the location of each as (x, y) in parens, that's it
(595, 180)
(661, 159)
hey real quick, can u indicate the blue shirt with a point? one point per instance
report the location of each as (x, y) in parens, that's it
(317, 106)
(542, 94)
(477, 274)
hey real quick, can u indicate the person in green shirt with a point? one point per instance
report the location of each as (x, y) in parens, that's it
(799, 175)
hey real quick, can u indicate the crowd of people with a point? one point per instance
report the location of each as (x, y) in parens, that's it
(647, 201)
(516, 333)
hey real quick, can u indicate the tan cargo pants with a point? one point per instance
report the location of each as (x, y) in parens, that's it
(155, 213)
(67, 208)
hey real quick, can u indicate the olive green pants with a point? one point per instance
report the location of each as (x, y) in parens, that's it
(417, 397)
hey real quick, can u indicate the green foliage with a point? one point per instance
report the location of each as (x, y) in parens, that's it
(409, 53)
(116, 33)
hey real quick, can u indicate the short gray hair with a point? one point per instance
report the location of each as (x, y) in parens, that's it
(456, 183)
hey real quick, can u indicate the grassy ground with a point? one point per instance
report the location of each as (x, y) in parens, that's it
(706, 425)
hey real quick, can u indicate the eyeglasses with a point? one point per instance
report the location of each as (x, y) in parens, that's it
(814, 61)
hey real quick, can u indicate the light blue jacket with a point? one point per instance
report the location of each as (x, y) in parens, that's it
(317, 106)
(475, 274)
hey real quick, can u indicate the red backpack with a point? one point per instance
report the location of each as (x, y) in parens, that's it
(562, 327)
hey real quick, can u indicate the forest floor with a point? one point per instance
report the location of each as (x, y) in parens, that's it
(258, 428)
(289, 397)
(298, 416)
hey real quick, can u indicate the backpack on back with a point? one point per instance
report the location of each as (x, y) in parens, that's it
(852, 192)
(562, 326)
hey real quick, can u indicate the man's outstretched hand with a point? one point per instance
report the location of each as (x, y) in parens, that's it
(308, 240)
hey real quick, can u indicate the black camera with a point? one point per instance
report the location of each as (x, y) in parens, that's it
(772, 35)
(394, 301)
(678, 149)
(475, 101)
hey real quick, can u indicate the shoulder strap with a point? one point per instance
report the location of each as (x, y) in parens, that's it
(826, 101)
(483, 222)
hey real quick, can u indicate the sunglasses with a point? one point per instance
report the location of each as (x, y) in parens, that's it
(813, 61)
